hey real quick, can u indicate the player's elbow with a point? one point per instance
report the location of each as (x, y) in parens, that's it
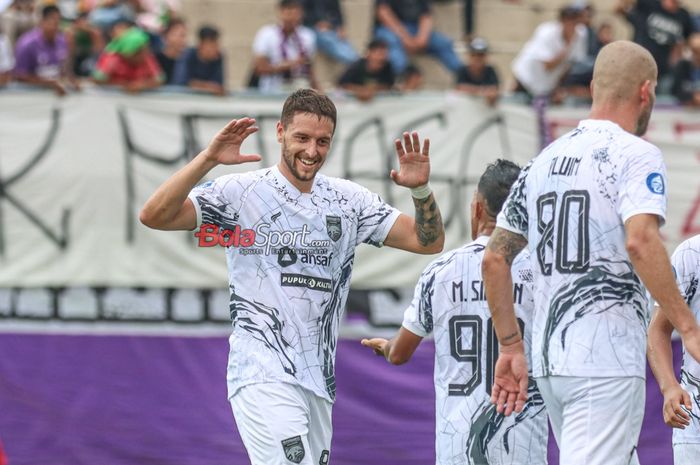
(397, 358)
(637, 244)
(435, 247)
(151, 219)
(492, 264)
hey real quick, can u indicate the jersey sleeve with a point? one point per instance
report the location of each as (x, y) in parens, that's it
(643, 186)
(685, 268)
(418, 317)
(214, 202)
(376, 218)
(513, 216)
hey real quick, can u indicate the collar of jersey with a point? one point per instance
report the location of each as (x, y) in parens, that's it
(597, 123)
(482, 240)
(283, 179)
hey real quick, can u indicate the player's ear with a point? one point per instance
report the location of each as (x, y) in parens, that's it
(280, 131)
(646, 92)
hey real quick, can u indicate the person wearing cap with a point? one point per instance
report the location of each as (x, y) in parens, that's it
(478, 77)
(548, 55)
(370, 74)
(128, 63)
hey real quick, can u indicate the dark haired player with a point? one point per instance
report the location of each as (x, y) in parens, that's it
(287, 299)
(450, 302)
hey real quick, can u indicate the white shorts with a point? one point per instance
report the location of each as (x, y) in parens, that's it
(283, 424)
(596, 421)
(686, 454)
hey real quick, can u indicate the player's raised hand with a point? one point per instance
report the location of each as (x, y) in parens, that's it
(414, 162)
(510, 380)
(225, 147)
(677, 404)
(377, 344)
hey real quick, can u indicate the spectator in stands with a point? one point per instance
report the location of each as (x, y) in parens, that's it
(202, 67)
(686, 75)
(110, 12)
(578, 79)
(85, 42)
(174, 44)
(325, 18)
(660, 26)
(154, 16)
(41, 54)
(547, 56)
(18, 19)
(478, 77)
(128, 63)
(407, 28)
(412, 79)
(283, 52)
(370, 74)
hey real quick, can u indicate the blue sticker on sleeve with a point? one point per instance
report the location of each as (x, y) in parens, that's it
(655, 183)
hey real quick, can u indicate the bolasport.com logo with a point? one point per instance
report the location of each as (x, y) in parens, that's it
(264, 241)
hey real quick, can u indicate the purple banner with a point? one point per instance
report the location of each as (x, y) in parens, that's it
(122, 400)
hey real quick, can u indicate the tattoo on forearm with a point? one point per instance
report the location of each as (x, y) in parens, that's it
(511, 336)
(507, 244)
(428, 220)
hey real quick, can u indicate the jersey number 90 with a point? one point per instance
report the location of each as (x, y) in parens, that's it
(468, 350)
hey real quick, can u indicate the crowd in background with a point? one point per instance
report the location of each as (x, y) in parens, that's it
(138, 45)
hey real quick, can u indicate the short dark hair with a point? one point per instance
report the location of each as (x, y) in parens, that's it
(208, 32)
(494, 185)
(171, 24)
(49, 10)
(308, 101)
(289, 4)
(376, 43)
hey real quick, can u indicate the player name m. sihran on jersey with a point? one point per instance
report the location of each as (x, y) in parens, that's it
(477, 293)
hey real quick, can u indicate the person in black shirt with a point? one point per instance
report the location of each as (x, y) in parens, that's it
(407, 28)
(370, 74)
(478, 77)
(686, 75)
(202, 67)
(325, 17)
(174, 43)
(660, 26)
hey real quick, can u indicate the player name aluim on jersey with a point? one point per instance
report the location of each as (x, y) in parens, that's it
(478, 292)
(564, 166)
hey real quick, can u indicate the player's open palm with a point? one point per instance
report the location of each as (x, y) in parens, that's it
(510, 382)
(414, 162)
(225, 147)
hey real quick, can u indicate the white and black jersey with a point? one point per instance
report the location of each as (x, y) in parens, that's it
(571, 202)
(450, 302)
(290, 257)
(686, 265)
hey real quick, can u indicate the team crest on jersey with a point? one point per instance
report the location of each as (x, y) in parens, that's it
(334, 227)
(294, 449)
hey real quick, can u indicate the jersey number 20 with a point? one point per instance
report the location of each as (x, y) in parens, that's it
(573, 213)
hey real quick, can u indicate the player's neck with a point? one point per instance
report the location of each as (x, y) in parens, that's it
(486, 228)
(621, 116)
(302, 186)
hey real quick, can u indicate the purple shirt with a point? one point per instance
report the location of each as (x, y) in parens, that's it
(34, 55)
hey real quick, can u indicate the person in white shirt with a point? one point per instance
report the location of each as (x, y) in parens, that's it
(681, 408)
(547, 56)
(7, 59)
(290, 235)
(589, 208)
(449, 302)
(283, 53)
